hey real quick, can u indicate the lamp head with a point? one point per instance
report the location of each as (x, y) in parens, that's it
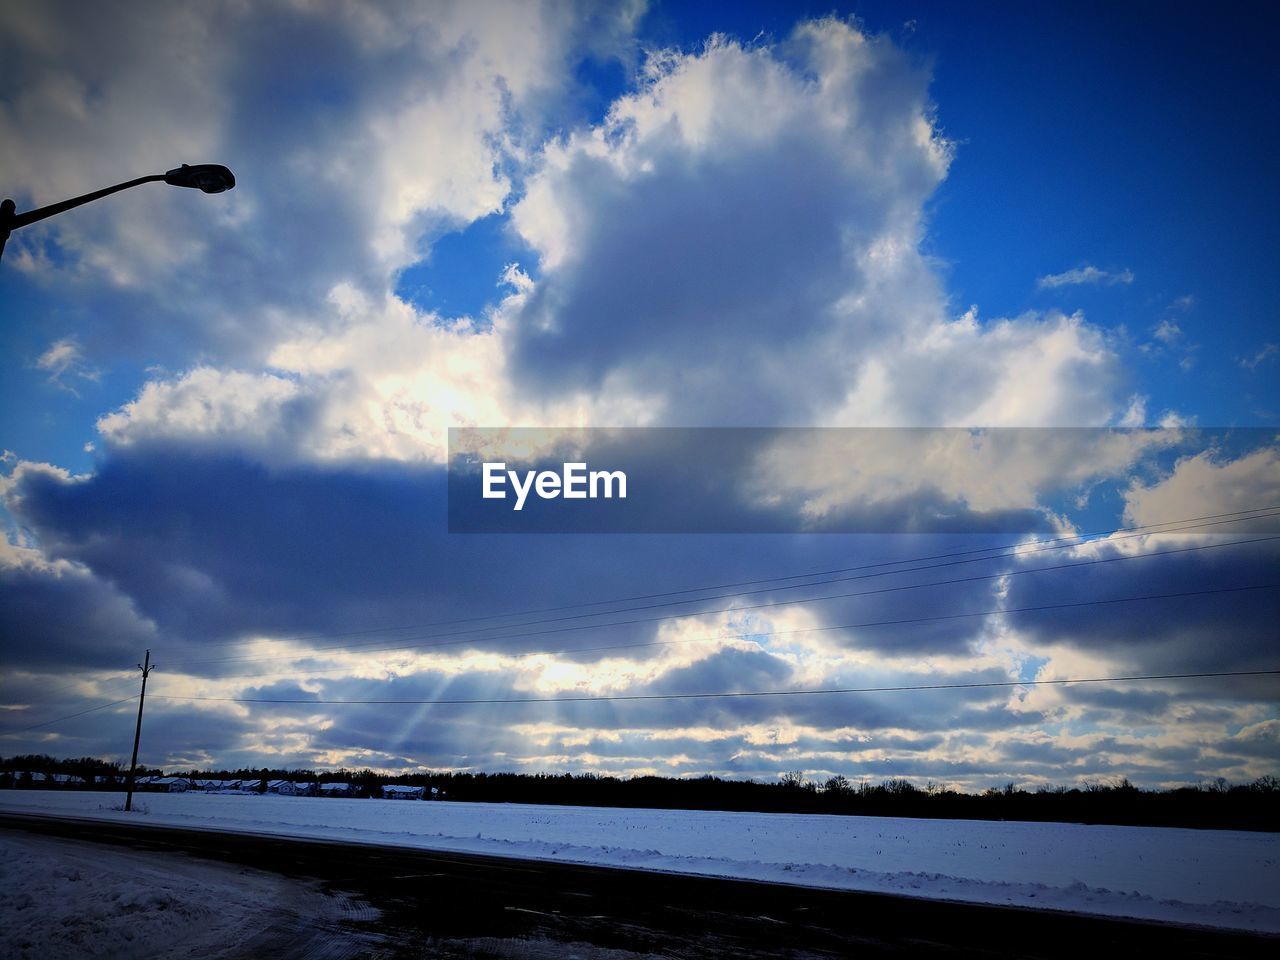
(209, 177)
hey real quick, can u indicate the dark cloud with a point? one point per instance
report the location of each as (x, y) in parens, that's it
(1215, 632)
(213, 547)
(52, 616)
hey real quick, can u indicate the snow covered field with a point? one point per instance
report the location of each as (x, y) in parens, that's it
(61, 898)
(1212, 877)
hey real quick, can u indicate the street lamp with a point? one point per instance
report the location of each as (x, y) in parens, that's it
(207, 177)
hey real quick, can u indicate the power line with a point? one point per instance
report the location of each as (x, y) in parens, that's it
(523, 634)
(410, 643)
(1013, 550)
(836, 626)
(520, 632)
(716, 696)
(110, 681)
(803, 600)
(665, 696)
(72, 716)
(1177, 526)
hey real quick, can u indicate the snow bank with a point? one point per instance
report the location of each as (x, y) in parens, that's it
(1211, 877)
(70, 899)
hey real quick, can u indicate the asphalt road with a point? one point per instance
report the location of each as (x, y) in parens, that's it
(461, 905)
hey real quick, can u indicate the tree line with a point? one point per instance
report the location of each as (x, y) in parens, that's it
(1214, 804)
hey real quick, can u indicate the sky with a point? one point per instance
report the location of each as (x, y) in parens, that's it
(225, 419)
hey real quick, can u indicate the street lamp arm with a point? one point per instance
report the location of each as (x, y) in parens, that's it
(205, 177)
(31, 216)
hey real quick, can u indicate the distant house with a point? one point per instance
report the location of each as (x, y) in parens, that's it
(168, 784)
(26, 777)
(397, 791)
(207, 785)
(284, 788)
(304, 788)
(335, 789)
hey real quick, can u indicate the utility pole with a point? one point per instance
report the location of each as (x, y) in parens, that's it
(146, 667)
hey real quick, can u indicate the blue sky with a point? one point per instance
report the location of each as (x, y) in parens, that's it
(224, 417)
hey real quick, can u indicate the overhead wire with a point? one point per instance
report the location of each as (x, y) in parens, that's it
(754, 634)
(1022, 550)
(462, 637)
(71, 716)
(612, 698)
(999, 552)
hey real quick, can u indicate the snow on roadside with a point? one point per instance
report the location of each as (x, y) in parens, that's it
(62, 898)
(1211, 877)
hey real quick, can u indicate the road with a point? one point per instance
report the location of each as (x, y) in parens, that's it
(461, 905)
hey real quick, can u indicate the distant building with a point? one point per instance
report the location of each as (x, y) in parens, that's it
(225, 786)
(335, 789)
(284, 788)
(16, 778)
(154, 784)
(397, 791)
